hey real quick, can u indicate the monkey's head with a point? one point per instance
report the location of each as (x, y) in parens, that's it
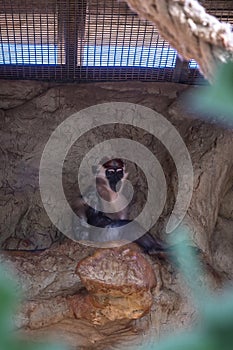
(114, 171)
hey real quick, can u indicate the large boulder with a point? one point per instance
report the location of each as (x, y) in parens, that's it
(119, 283)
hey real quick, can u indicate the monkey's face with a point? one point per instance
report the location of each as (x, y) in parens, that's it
(114, 177)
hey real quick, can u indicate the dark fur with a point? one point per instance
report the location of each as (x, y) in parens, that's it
(147, 242)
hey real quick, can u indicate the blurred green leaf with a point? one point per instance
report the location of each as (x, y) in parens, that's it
(8, 302)
(9, 299)
(216, 101)
(187, 256)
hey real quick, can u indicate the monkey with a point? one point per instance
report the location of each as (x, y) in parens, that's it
(110, 179)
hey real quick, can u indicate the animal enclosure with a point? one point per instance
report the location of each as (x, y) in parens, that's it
(59, 58)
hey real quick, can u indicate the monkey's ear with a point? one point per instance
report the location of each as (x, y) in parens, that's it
(125, 176)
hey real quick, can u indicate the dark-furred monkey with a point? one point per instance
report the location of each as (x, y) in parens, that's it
(110, 179)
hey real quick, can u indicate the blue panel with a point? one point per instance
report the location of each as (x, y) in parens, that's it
(28, 54)
(123, 56)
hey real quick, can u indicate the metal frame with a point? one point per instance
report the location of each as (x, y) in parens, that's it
(79, 25)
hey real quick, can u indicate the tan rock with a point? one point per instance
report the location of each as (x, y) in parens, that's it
(119, 281)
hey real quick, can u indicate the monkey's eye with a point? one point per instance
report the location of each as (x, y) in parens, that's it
(118, 173)
(109, 173)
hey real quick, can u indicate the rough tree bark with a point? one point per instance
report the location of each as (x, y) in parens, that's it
(190, 30)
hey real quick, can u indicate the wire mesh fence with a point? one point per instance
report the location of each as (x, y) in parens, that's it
(81, 40)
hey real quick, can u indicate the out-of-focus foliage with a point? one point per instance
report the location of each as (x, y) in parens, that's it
(9, 300)
(215, 102)
(215, 328)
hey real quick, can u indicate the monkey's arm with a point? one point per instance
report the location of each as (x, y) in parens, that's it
(79, 206)
(112, 200)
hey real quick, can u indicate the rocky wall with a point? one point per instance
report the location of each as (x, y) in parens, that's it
(29, 113)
